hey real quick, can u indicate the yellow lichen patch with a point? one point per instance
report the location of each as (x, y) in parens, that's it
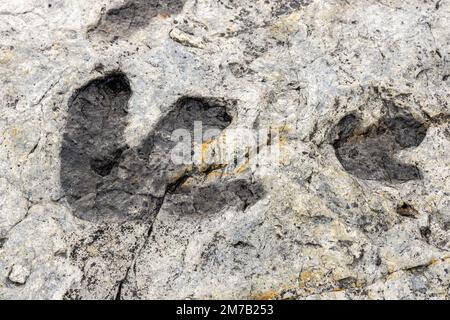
(434, 261)
(355, 285)
(215, 174)
(207, 150)
(6, 57)
(305, 277)
(164, 15)
(178, 177)
(283, 143)
(269, 295)
(242, 168)
(24, 70)
(93, 251)
(188, 182)
(287, 25)
(309, 278)
(393, 275)
(205, 147)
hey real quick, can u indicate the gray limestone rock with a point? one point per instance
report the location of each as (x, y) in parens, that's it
(338, 186)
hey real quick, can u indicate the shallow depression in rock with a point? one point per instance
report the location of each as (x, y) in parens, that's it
(370, 153)
(106, 180)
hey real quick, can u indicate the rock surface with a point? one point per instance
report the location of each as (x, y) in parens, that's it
(355, 205)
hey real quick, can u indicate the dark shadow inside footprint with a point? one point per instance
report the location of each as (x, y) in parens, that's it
(93, 134)
(133, 15)
(369, 153)
(106, 180)
(195, 196)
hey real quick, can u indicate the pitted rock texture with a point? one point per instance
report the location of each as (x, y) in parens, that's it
(354, 204)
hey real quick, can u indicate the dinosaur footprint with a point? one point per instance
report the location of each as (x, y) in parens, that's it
(106, 180)
(369, 153)
(134, 15)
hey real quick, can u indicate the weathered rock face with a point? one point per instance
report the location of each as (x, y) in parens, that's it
(338, 185)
